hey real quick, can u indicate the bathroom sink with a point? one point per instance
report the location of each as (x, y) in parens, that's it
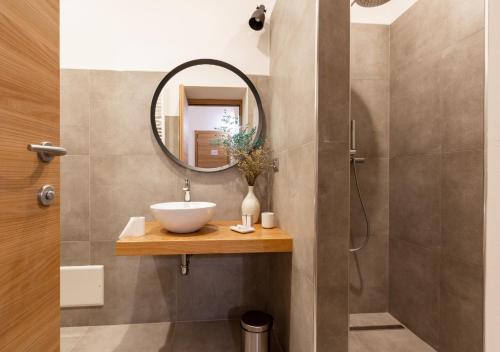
(183, 217)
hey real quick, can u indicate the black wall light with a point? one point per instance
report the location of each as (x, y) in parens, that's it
(258, 18)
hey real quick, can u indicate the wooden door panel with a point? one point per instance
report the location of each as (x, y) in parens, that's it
(29, 113)
(203, 150)
(182, 112)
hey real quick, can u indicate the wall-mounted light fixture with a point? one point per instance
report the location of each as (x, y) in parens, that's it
(258, 18)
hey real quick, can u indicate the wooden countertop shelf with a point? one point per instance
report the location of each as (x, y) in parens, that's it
(214, 238)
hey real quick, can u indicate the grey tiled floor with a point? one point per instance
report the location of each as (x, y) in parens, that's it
(213, 336)
(383, 340)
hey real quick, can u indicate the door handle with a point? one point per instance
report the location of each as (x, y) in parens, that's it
(46, 151)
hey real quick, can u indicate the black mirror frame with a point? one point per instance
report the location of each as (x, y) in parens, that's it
(262, 119)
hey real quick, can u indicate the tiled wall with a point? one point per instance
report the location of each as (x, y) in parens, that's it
(115, 170)
(369, 268)
(332, 216)
(492, 296)
(293, 136)
(436, 172)
(310, 135)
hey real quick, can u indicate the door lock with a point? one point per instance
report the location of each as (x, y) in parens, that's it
(47, 195)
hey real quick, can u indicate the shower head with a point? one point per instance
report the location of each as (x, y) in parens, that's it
(369, 3)
(256, 22)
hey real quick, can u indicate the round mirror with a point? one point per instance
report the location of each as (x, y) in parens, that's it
(198, 104)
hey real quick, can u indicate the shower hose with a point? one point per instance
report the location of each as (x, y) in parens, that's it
(365, 214)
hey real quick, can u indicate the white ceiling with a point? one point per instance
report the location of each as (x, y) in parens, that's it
(157, 35)
(384, 14)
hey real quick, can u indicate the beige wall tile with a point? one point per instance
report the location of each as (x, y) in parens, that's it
(416, 121)
(125, 186)
(333, 185)
(280, 191)
(280, 291)
(207, 336)
(373, 180)
(222, 287)
(462, 210)
(293, 132)
(333, 323)
(75, 253)
(137, 289)
(75, 190)
(124, 85)
(120, 112)
(492, 180)
(75, 111)
(414, 288)
(120, 127)
(301, 206)
(301, 113)
(432, 26)
(369, 277)
(436, 174)
(262, 85)
(462, 94)
(461, 313)
(294, 104)
(75, 139)
(75, 317)
(333, 87)
(302, 315)
(437, 103)
(277, 129)
(332, 248)
(287, 19)
(369, 51)
(372, 299)
(332, 217)
(370, 109)
(415, 199)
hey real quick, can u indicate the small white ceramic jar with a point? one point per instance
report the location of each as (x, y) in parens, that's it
(267, 220)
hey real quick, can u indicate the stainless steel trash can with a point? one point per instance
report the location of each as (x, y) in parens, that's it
(256, 332)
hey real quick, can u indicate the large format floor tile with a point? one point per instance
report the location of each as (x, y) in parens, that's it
(70, 337)
(210, 336)
(383, 340)
(124, 338)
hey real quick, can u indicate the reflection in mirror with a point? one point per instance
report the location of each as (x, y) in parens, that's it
(196, 106)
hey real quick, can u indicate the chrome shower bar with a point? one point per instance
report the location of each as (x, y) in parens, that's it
(353, 137)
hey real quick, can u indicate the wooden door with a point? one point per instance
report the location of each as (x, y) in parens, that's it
(182, 114)
(29, 232)
(206, 153)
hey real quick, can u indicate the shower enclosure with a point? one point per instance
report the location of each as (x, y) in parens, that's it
(417, 96)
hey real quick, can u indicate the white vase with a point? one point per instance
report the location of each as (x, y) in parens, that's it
(251, 205)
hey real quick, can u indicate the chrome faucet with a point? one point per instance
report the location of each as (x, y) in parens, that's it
(187, 190)
(185, 257)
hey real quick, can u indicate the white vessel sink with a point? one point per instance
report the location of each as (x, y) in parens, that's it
(183, 217)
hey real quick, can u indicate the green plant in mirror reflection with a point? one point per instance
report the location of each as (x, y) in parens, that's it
(252, 156)
(230, 123)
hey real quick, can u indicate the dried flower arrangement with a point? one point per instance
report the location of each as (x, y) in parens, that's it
(252, 156)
